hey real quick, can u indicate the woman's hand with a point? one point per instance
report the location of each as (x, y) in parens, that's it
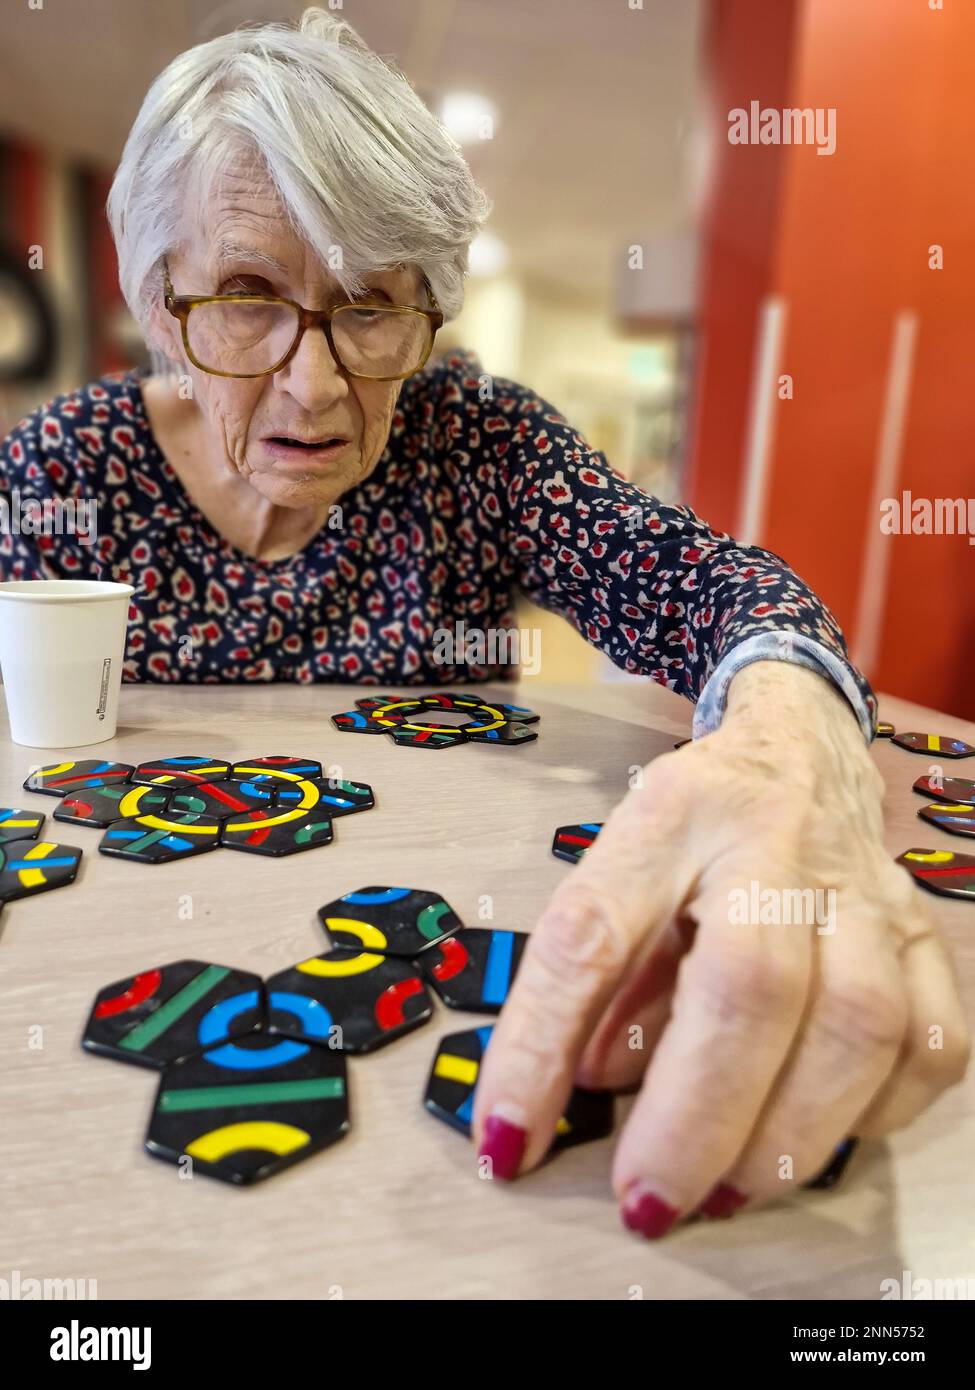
(758, 1046)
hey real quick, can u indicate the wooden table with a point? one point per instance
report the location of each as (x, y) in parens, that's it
(394, 1209)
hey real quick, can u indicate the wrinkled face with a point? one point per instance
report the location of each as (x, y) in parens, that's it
(247, 245)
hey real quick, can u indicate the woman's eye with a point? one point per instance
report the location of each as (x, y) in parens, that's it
(245, 284)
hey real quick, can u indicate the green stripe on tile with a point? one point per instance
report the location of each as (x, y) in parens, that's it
(167, 1014)
(263, 1093)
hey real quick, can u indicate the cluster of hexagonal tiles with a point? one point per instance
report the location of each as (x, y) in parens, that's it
(493, 723)
(172, 808)
(254, 1073)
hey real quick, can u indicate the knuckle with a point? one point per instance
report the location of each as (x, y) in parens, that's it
(865, 1013)
(903, 899)
(665, 772)
(751, 981)
(534, 1056)
(906, 906)
(621, 848)
(660, 795)
(578, 939)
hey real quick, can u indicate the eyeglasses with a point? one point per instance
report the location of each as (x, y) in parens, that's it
(246, 335)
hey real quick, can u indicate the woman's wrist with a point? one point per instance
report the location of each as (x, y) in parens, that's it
(798, 708)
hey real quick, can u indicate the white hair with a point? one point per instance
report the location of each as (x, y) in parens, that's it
(357, 159)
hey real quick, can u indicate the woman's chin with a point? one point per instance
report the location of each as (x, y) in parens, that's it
(294, 487)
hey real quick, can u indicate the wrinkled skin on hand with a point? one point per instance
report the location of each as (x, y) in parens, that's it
(751, 1041)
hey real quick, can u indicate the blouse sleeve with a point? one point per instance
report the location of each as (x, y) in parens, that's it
(651, 585)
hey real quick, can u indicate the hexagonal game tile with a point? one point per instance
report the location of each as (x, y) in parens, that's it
(357, 999)
(276, 832)
(172, 1011)
(942, 745)
(259, 793)
(453, 1080)
(101, 806)
(57, 779)
(509, 732)
(223, 799)
(161, 839)
(956, 789)
(265, 772)
(19, 825)
(250, 1108)
(35, 866)
(942, 871)
(476, 970)
(830, 1175)
(570, 842)
(392, 921)
(956, 817)
(256, 768)
(435, 739)
(338, 798)
(183, 771)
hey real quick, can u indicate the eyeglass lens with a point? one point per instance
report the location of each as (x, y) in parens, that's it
(253, 336)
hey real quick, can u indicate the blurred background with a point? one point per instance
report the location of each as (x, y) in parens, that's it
(776, 336)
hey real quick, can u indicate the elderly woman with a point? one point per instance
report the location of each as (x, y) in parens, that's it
(300, 496)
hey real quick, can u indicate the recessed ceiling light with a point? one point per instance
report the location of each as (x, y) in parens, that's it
(488, 255)
(468, 116)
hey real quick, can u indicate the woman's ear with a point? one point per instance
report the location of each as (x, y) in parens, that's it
(163, 334)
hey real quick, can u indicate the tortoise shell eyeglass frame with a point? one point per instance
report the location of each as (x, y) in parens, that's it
(180, 305)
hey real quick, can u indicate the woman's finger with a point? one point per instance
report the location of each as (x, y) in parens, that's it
(937, 1045)
(595, 927)
(848, 1045)
(740, 996)
(623, 1042)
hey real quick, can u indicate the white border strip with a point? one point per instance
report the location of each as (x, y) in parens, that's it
(875, 572)
(758, 446)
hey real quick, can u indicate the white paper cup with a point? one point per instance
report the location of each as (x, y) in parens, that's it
(62, 642)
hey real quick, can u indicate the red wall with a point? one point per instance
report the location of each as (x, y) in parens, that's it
(843, 240)
(106, 296)
(21, 200)
(26, 172)
(740, 241)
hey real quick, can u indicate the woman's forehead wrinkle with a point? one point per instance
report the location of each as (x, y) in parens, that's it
(229, 249)
(246, 201)
(254, 228)
(246, 220)
(291, 259)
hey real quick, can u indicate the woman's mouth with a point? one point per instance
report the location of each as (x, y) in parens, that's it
(288, 447)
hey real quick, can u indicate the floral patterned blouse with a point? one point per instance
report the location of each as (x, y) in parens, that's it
(478, 492)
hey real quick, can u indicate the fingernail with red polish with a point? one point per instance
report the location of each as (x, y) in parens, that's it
(722, 1200)
(503, 1145)
(646, 1213)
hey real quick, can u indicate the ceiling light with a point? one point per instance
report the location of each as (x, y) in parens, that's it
(488, 255)
(468, 116)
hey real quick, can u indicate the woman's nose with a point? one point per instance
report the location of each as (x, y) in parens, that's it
(313, 376)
